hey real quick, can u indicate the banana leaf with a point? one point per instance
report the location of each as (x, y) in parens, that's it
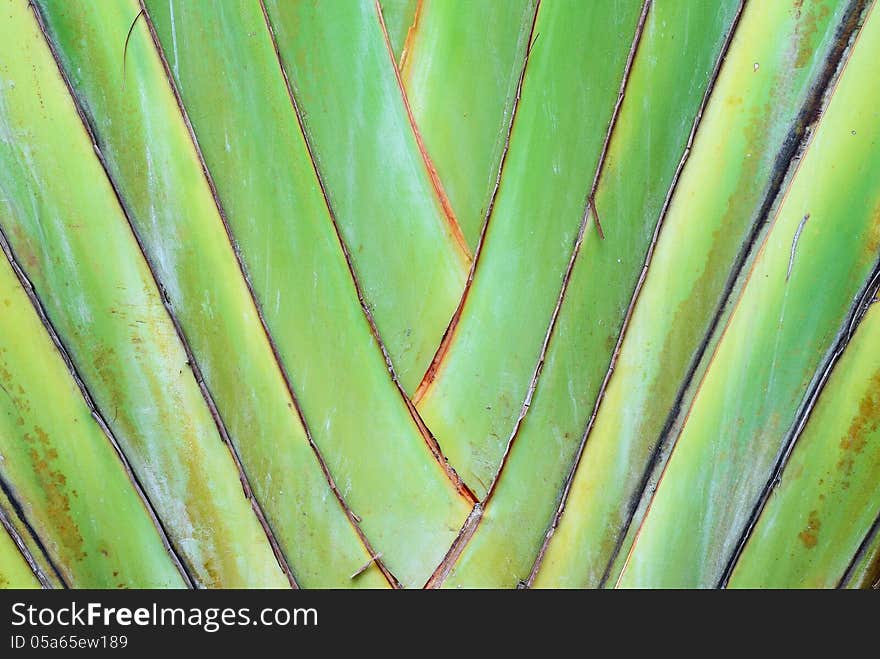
(750, 130)
(776, 343)
(826, 498)
(400, 231)
(485, 43)
(59, 209)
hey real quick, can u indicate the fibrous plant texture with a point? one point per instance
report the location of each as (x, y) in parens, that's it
(407, 293)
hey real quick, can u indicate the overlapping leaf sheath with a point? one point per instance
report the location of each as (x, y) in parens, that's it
(14, 569)
(772, 78)
(399, 230)
(248, 132)
(619, 258)
(483, 42)
(678, 50)
(156, 168)
(568, 96)
(819, 251)
(864, 570)
(57, 466)
(400, 17)
(70, 235)
(829, 493)
(31, 546)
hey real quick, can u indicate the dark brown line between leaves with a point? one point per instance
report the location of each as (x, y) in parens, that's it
(859, 556)
(349, 513)
(590, 206)
(206, 394)
(591, 198)
(451, 221)
(429, 439)
(37, 304)
(469, 528)
(456, 548)
(791, 151)
(634, 299)
(446, 340)
(470, 525)
(821, 104)
(22, 547)
(853, 319)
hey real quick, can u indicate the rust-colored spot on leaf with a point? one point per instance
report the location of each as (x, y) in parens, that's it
(25, 250)
(810, 535)
(866, 422)
(872, 245)
(806, 32)
(52, 482)
(845, 464)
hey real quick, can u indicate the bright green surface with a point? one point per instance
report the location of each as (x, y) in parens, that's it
(14, 570)
(460, 75)
(54, 458)
(557, 137)
(774, 342)
(716, 202)
(71, 237)
(356, 415)
(399, 16)
(156, 168)
(257, 276)
(411, 270)
(827, 498)
(504, 548)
